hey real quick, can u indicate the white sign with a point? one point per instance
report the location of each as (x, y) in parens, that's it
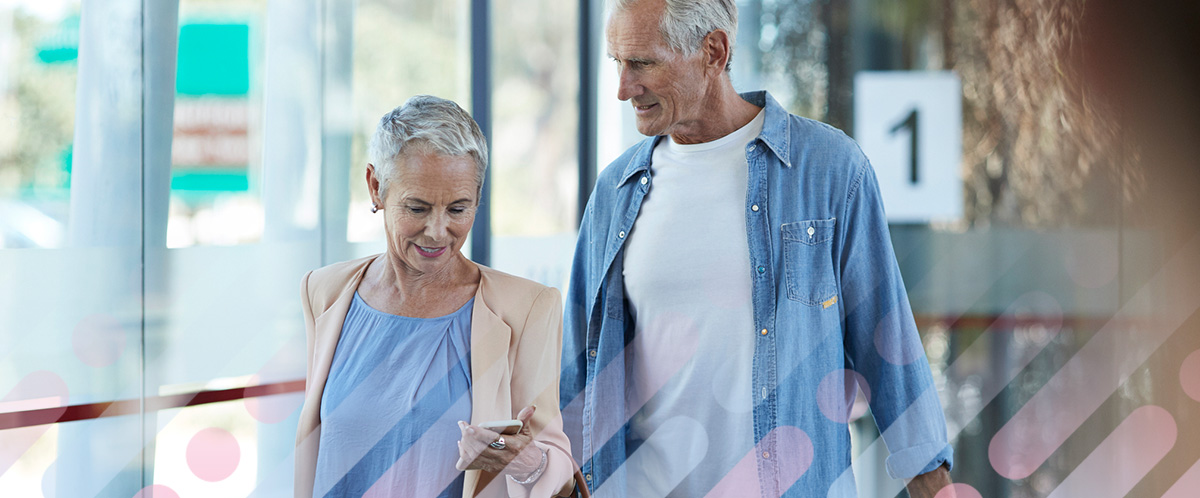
(909, 123)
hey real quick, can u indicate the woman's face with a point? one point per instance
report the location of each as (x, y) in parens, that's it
(429, 209)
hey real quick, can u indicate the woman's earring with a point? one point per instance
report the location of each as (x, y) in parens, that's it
(374, 208)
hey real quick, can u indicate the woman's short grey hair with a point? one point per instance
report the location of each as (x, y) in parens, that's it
(426, 124)
(685, 23)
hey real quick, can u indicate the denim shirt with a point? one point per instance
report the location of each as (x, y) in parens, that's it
(830, 312)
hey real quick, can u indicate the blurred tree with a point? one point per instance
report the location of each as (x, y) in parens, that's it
(535, 105)
(35, 149)
(1038, 149)
(794, 47)
(402, 48)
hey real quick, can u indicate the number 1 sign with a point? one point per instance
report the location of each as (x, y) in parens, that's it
(909, 123)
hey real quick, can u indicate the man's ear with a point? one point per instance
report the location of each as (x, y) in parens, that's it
(716, 47)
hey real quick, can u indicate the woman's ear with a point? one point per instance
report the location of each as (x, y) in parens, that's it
(373, 186)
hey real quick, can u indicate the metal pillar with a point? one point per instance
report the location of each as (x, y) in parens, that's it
(481, 109)
(106, 223)
(589, 37)
(337, 62)
(291, 162)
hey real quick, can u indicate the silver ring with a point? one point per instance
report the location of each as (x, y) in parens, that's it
(498, 443)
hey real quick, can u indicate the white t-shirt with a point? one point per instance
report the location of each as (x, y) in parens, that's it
(687, 277)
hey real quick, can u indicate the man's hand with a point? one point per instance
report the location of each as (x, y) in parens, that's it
(928, 484)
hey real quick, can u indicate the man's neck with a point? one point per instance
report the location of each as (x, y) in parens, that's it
(725, 113)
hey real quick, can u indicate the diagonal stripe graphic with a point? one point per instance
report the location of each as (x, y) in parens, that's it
(1099, 368)
(743, 480)
(1037, 302)
(1124, 457)
(1188, 486)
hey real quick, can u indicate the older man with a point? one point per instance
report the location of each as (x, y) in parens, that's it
(734, 286)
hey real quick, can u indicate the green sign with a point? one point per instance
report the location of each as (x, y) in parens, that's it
(61, 45)
(214, 59)
(210, 181)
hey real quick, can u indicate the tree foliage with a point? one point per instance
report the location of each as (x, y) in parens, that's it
(1038, 150)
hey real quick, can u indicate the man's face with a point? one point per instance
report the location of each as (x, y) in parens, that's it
(665, 87)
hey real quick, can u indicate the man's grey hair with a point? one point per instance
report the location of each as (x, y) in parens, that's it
(426, 124)
(685, 23)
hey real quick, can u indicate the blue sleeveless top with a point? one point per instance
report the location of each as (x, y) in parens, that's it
(396, 390)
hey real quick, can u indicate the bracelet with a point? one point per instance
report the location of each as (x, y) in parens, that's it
(534, 476)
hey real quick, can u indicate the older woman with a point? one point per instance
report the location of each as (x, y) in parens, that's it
(404, 347)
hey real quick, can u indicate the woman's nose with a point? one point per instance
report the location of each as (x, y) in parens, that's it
(436, 226)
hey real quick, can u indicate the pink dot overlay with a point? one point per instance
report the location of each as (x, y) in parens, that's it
(795, 453)
(836, 394)
(892, 343)
(672, 345)
(1189, 375)
(283, 366)
(98, 340)
(213, 454)
(272, 409)
(958, 490)
(793, 462)
(156, 491)
(1040, 307)
(42, 389)
(1093, 261)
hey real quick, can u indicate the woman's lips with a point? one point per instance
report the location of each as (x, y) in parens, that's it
(430, 252)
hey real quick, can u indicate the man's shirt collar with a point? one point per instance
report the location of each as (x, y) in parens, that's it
(774, 134)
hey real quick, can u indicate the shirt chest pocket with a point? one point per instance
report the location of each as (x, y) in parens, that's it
(808, 262)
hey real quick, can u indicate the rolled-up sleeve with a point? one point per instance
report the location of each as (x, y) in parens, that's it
(881, 339)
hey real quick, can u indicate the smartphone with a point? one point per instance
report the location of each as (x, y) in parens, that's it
(503, 426)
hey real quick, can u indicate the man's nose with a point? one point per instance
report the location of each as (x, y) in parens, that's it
(627, 85)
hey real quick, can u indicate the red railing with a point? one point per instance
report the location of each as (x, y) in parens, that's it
(88, 411)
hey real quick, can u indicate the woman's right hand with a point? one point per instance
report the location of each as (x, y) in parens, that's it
(519, 457)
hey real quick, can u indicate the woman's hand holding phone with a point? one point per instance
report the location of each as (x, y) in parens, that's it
(516, 456)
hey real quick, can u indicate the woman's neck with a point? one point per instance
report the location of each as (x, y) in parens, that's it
(397, 289)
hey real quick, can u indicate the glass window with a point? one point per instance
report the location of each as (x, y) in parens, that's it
(39, 52)
(1022, 292)
(170, 170)
(400, 48)
(216, 147)
(535, 102)
(70, 246)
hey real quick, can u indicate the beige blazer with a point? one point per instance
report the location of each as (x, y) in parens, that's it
(516, 343)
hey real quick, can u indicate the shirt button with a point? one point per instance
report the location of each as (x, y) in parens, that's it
(764, 332)
(764, 393)
(766, 454)
(621, 235)
(750, 148)
(811, 231)
(762, 269)
(754, 208)
(592, 353)
(645, 180)
(587, 476)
